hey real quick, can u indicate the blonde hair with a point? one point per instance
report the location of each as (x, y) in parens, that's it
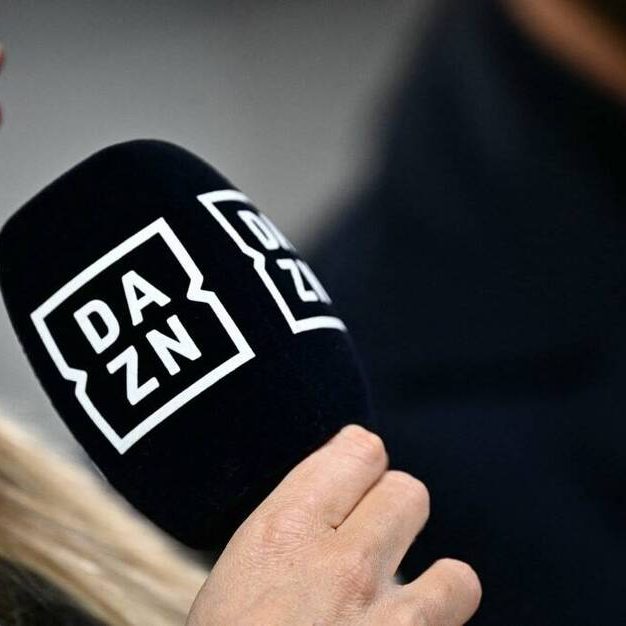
(58, 522)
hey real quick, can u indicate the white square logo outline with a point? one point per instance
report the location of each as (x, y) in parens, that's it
(210, 201)
(194, 293)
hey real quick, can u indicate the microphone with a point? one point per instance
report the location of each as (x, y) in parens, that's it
(190, 350)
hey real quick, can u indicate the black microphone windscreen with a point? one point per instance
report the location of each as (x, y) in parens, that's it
(190, 350)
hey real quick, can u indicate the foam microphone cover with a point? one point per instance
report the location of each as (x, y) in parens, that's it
(186, 345)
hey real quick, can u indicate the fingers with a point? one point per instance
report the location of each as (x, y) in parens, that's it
(331, 481)
(346, 572)
(387, 519)
(446, 594)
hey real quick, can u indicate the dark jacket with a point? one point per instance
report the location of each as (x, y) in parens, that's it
(482, 271)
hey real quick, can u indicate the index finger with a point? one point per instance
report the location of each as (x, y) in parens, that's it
(330, 482)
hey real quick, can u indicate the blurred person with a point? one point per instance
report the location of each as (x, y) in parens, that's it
(71, 554)
(482, 270)
(323, 548)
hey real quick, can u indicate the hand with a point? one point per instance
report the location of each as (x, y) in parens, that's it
(324, 546)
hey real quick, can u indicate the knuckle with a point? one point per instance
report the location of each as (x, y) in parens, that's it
(410, 487)
(365, 445)
(455, 583)
(357, 578)
(282, 530)
(306, 506)
(467, 577)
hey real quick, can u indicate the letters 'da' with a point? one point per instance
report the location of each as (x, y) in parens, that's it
(102, 330)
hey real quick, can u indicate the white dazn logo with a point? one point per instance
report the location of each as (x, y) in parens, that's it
(276, 257)
(106, 336)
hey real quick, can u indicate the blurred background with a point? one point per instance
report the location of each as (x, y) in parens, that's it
(285, 98)
(483, 274)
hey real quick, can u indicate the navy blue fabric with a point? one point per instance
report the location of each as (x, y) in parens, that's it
(483, 272)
